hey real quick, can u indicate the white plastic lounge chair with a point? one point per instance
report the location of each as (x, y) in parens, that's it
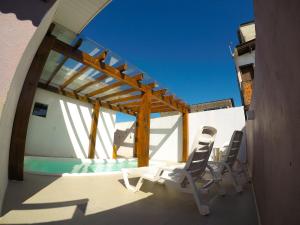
(151, 173)
(225, 165)
(185, 179)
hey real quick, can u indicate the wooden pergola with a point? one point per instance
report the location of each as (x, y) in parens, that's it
(132, 97)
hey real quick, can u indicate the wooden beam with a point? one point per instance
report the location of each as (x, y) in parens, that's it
(122, 67)
(158, 104)
(74, 76)
(112, 86)
(151, 85)
(84, 98)
(63, 61)
(81, 71)
(160, 110)
(88, 60)
(185, 136)
(126, 99)
(168, 100)
(120, 93)
(159, 92)
(132, 104)
(23, 110)
(105, 89)
(91, 61)
(90, 83)
(143, 130)
(117, 108)
(93, 131)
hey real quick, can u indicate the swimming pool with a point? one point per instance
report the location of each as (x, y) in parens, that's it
(64, 166)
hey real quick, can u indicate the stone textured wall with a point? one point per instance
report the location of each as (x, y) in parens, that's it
(273, 135)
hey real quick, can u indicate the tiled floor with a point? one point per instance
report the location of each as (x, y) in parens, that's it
(104, 200)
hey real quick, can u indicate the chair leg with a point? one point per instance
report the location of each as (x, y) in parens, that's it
(139, 184)
(237, 186)
(128, 185)
(221, 189)
(203, 209)
(245, 171)
(216, 179)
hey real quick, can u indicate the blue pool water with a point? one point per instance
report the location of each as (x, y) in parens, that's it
(45, 165)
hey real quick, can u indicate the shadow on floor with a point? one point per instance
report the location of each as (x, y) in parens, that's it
(155, 204)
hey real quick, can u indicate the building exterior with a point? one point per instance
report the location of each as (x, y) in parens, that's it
(213, 105)
(206, 106)
(244, 58)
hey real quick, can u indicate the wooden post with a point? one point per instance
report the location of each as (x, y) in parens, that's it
(135, 137)
(93, 131)
(143, 130)
(185, 135)
(23, 110)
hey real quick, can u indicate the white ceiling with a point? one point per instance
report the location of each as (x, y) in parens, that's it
(76, 14)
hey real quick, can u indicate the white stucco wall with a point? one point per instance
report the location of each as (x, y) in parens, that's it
(165, 138)
(224, 120)
(65, 130)
(245, 59)
(166, 132)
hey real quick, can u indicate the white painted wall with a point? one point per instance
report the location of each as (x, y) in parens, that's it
(224, 120)
(165, 141)
(65, 130)
(166, 132)
(245, 59)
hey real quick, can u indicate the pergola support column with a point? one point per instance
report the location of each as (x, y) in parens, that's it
(185, 135)
(93, 131)
(23, 110)
(135, 137)
(142, 136)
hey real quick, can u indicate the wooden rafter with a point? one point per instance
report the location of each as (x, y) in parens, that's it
(112, 86)
(84, 98)
(90, 83)
(132, 104)
(105, 89)
(158, 104)
(136, 104)
(126, 99)
(82, 70)
(117, 94)
(122, 67)
(160, 110)
(92, 62)
(159, 92)
(63, 61)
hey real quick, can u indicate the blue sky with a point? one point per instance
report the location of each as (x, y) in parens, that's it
(182, 44)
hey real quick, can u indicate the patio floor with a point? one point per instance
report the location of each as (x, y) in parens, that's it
(104, 200)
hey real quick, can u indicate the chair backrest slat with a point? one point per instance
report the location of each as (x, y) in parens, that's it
(202, 148)
(234, 147)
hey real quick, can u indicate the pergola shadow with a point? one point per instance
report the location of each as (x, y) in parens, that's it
(155, 204)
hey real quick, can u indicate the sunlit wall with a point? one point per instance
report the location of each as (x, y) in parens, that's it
(64, 132)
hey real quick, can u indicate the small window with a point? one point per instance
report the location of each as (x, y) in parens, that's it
(40, 109)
